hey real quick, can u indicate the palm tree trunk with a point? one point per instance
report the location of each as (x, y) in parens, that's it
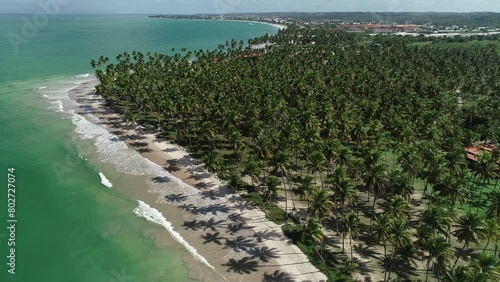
(481, 194)
(487, 243)
(290, 186)
(427, 273)
(472, 196)
(343, 243)
(341, 217)
(350, 244)
(260, 199)
(368, 193)
(385, 261)
(373, 209)
(392, 260)
(459, 254)
(425, 190)
(324, 263)
(286, 194)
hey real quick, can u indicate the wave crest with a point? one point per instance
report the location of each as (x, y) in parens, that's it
(155, 216)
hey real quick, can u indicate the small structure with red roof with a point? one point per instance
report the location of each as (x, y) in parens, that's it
(473, 151)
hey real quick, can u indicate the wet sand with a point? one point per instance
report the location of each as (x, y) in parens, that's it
(231, 234)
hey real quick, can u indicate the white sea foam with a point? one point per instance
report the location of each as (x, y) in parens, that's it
(58, 89)
(153, 215)
(113, 150)
(57, 105)
(105, 181)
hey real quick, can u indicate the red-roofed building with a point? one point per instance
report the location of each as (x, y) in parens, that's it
(473, 151)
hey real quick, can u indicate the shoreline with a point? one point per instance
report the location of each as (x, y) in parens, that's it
(278, 26)
(249, 233)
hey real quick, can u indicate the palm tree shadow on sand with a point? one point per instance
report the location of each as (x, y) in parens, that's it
(240, 243)
(176, 198)
(277, 276)
(265, 254)
(242, 266)
(212, 238)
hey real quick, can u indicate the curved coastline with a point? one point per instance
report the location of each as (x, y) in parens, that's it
(203, 195)
(278, 26)
(275, 25)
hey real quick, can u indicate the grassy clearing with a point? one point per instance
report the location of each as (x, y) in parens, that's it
(274, 213)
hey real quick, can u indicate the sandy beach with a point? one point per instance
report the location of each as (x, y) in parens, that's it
(232, 235)
(279, 26)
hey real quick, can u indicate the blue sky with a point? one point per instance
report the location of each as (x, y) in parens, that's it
(236, 6)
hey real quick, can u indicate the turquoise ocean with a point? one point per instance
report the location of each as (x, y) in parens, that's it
(70, 227)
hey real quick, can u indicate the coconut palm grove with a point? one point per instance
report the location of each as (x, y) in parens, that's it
(354, 143)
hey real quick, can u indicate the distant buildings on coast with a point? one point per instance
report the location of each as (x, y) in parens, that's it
(369, 27)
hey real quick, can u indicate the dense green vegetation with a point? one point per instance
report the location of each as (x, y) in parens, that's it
(343, 131)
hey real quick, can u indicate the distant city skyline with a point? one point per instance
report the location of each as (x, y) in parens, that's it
(244, 6)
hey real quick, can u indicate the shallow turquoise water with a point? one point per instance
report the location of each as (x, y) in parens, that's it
(71, 228)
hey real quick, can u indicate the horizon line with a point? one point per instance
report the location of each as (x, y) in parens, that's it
(261, 13)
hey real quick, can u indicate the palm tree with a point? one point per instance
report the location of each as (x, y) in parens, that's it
(438, 218)
(376, 180)
(280, 161)
(397, 207)
(306, 187)
(401, 184)
(439, 256)
(494, 206)
(381, 233)
(462, 273)
(455, 188)
(410, 162)
(399, 236)
(407, 255)
(252, 169)
(316, 164)
(273, 184)
(321, 204)
(351, 228)
(424, 234)
(470, 228)
(344, 193)
(492, 231)
(487, 264)
(313, 235)
(212, 162)
(486, 168)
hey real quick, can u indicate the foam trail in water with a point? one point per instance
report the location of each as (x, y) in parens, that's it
(56, 91)
(105, 181)
(153, 215)
(57, 106)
